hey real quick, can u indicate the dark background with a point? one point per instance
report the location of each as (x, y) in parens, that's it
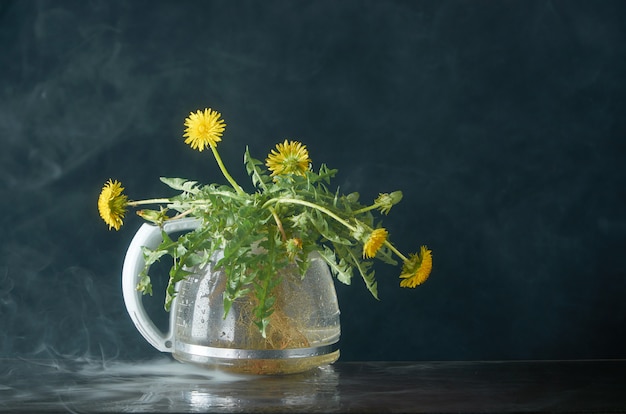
(502, 121)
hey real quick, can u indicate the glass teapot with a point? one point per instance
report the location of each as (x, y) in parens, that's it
(303, 332)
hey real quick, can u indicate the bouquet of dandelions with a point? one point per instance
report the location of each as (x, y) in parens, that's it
(290, 214)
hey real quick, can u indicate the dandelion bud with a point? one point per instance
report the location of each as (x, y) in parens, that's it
(385, 201)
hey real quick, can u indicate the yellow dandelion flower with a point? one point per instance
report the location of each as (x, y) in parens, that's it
(416, 270)
(112, 204)
(204, 129)
(288, 158)
(374, 242)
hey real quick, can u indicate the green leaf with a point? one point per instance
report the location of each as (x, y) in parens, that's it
(151, 256)
(196, 259)
(386, 256)
(259, 179)
(168, 245)
(145, 284)
(352, 197)
(303, 263)
(228, 303)
(364, 269)
(181, 184)
(262, 325)
(342, 271)
(320, 222)
(326, 173)
(178, 273)
(170, 293)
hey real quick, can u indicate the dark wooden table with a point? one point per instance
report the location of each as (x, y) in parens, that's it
(85, 386)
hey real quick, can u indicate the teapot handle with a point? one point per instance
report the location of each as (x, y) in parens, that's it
(149, 236)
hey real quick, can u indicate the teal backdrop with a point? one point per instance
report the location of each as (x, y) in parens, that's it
(503, 122)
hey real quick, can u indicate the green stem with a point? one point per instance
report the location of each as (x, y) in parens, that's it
(278, 223)
(181, 215)
(268, 273)
(312, 205)
(150, 201)
(226, 194)
(364, 209)
(396, 251)
(191, 202)
(230, 179)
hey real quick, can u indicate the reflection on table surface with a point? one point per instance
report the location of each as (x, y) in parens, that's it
(165, 385)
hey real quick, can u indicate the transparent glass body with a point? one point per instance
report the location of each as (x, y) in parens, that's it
(302, 334)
